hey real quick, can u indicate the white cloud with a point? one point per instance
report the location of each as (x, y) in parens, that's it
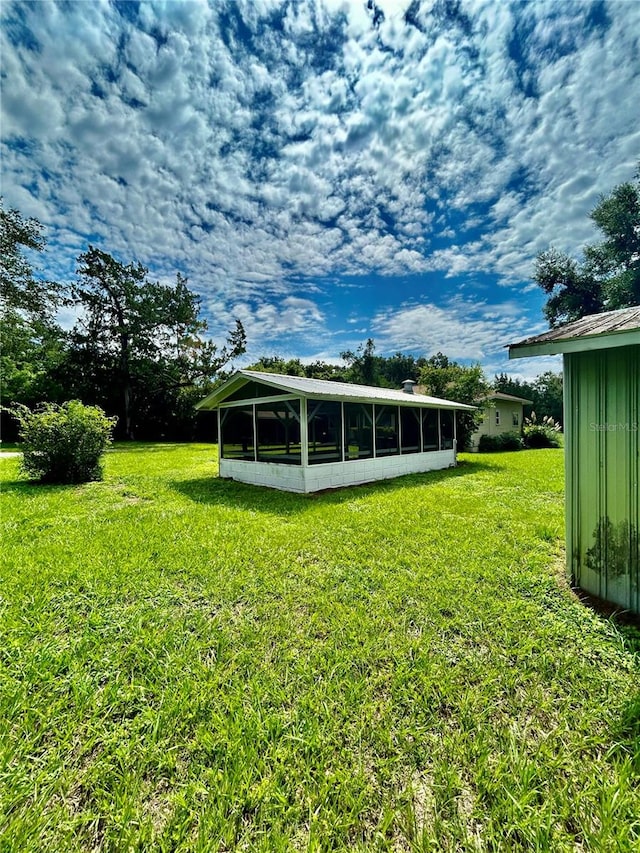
(197, 138)
(460, 328)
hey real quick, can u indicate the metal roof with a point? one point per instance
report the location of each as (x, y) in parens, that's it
(324, 389)
(508, 398)
(596, 331)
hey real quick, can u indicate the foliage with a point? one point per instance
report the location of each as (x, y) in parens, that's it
(545, 392)
(31, 340)
(608, 277)
(276, 364)
(19, 289)
(63, 444)
(143, 339)
(464, 384)
(542, 433)
(363, 364)
(501, 442)
(366, 368)
(192, 664)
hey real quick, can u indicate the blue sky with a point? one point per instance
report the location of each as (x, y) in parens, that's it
(326, 171)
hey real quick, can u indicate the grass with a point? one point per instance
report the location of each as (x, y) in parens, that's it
(193, 664)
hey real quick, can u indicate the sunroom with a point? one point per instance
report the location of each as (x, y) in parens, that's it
(304, 435)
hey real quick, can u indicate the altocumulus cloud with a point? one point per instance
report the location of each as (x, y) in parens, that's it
(277, 151)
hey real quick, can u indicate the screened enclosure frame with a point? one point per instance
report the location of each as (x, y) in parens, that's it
(344, 428)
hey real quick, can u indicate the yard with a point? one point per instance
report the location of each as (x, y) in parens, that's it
(192, 664)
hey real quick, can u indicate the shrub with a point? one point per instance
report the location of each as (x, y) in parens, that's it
(505, 441)
(63, 444)
(542, 433)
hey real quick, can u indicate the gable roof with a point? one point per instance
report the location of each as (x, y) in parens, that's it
(507, 398)
(324, 389)
(596, 331)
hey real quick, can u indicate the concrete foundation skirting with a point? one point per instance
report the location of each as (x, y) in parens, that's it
(333, 475)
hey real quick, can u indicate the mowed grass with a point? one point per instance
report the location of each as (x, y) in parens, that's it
(193, 664)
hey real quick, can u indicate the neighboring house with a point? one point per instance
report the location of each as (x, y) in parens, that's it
(601, 356)
(303, 435)
(502, 413)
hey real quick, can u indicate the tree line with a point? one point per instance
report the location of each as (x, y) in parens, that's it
(139, 349)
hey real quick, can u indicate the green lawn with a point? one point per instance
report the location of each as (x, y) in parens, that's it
(192, 664)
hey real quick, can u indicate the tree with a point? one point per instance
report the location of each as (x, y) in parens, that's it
(19, 289)
(516, 387)
(548, 396)
(277, 364)
(608, 277)
(32, 341)
(362, 364)
(545, 393)
(142, 338)
(452, 381)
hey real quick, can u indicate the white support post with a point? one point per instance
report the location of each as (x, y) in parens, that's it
(304, 433)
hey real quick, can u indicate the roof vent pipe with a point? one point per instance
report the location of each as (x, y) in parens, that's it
(407, 386)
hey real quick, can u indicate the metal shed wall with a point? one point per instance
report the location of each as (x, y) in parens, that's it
(602, 429)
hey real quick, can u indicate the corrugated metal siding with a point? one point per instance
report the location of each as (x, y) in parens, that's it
(603, 450)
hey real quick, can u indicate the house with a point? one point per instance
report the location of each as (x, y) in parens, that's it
(503, 413)
(601, 355)
(303, 435)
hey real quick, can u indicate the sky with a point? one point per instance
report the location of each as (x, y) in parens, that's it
(327, 171)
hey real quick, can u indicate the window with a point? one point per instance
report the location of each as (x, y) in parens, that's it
(497, 417)
(324, 431)
(410, 429)
(515, 419)
(446, 429)
(387, 443)
(278, 431)
(430, 432)
(358, 427)
(237, 434)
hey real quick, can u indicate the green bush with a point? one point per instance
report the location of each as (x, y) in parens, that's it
(544, 433)
(63, 444)
(505, 441)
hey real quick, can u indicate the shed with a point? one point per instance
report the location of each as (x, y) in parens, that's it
(503, 413)
(601, 355)
(303, 435)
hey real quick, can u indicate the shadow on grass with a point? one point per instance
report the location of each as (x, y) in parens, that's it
(217, 491)
(33, 487)
(157, 446)
(626, 621)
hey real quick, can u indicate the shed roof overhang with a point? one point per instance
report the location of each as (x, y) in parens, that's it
(319, 389)
(501, 397)
(597, 331)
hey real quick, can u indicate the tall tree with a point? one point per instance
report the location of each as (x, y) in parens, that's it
(608, 277)
(362, 364)
(20, 290)
(32, 341)
(548, 396)
(444, 378)
(141, 337)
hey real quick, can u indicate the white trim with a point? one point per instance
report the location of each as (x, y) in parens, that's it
(253, 400)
